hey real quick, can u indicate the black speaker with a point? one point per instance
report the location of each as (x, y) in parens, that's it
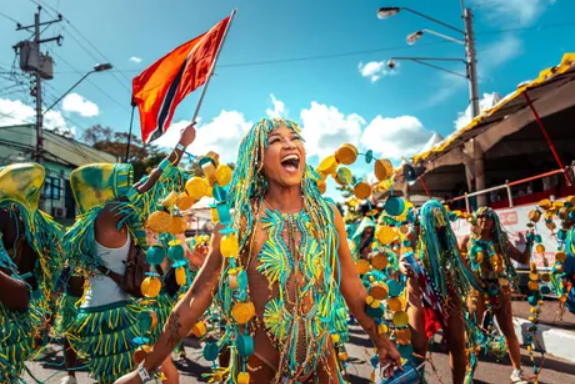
(412, 173)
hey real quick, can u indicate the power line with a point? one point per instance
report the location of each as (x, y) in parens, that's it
(9, 18)
(94, 84)
(69, 22)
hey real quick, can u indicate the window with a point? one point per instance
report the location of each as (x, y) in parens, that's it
(53, 188)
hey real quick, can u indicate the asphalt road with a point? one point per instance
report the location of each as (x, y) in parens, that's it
(555, 371)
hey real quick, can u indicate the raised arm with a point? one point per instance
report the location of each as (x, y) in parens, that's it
(517, 255)
(187, 138)
(186, 313)
(355, 296)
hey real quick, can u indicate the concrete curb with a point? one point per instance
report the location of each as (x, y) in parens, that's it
(555, 341)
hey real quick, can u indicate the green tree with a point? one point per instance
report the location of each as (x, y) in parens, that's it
(143, 158)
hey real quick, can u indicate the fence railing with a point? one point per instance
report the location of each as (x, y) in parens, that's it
(507, 186)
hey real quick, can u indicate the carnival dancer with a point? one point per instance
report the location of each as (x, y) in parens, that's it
(30, 260)
(103, 246)
(293, 249)
(489, 252)
(436, 290)
(363, 239)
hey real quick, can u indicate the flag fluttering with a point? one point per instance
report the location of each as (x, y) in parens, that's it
(160, 88)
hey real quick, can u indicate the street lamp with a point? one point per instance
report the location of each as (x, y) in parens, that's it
(470, 66)
(385, 12)
(97, 68)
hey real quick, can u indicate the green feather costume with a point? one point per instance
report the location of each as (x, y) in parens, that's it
(20, 189)
(104, 335)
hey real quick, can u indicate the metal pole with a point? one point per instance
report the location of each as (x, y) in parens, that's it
(478, 156)
(68, 91)
(213, 67)
(130, 135)
(509, 194)
(39, 115)
(547, 137)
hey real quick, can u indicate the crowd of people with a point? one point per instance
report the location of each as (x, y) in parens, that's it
(274, 288)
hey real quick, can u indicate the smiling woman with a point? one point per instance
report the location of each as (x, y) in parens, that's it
(283, 272)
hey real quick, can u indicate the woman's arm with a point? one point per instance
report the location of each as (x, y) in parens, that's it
(355, 295)
(187, 312)
(517, 255)
(187, 138)
(13, 293)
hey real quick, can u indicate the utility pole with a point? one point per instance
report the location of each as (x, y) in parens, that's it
(40, 65)
(470, 53)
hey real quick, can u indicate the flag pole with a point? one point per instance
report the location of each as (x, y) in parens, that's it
(213, 67)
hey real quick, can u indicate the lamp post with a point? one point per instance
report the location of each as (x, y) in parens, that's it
(97, 68)
(470, 66)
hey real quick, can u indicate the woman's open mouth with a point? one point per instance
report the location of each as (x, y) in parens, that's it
(290, 163)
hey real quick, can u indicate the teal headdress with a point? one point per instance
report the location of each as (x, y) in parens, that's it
(20, 189)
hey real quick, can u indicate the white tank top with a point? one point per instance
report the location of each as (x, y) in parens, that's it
(102, 289)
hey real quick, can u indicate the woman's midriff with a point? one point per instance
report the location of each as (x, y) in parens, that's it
(261, 292)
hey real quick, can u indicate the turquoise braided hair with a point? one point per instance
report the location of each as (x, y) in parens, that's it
(442, 251)
(249, 182)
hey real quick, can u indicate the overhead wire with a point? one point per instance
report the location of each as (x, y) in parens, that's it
(9, 18)
(102, 55)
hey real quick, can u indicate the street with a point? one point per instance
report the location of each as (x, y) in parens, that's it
(192, 368)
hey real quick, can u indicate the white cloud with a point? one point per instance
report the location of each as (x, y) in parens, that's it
(326, 128)
(279, 108)
(394, 137)
(498, 53)
(78, 104)
(514, 12)
(15, 112)
(487, 101)
(222, 135)
(136, 59)
(375, 70)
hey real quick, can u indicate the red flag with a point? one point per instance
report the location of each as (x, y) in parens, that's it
(160, 88)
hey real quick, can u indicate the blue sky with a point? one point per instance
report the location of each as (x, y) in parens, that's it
(350, 97)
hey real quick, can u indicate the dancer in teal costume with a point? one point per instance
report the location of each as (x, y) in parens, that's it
(109, 227)
(30, 259)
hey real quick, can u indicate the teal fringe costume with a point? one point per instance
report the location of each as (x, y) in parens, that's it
(105, 335)
(317, 265)
(20, 187)
(448, 276)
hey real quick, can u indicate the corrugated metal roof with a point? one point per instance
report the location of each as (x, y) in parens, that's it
(57, 148)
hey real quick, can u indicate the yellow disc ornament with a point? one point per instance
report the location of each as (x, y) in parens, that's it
(199, 329)
(400, 319)
(224, 175)
(159, 221)
(229, 246)
(151, 286)
(243, 312)
(328, 165)
(383, 169)
(346, 154)
(197, 188)
(184, 202)
(181, 277)
(362, 266)
(385, 235)
(243, 378)
(362, 190)
(395, 304)
(178, 225)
